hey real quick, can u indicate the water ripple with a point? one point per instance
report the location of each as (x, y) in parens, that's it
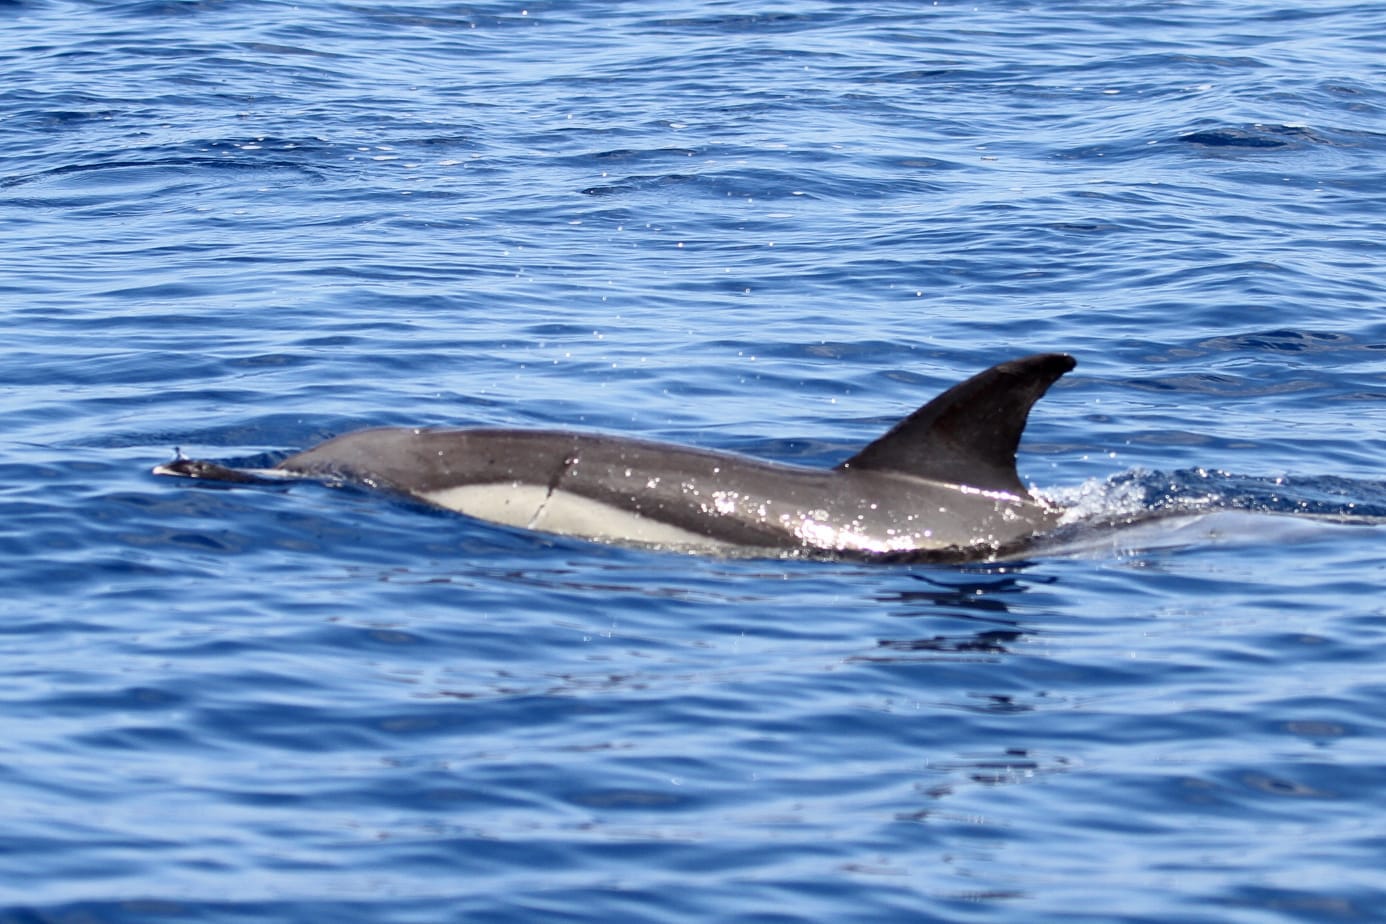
(240, 229)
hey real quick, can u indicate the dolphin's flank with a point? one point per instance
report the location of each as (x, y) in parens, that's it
(942, 479)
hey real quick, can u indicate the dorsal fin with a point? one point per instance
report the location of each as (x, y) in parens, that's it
(968, 435)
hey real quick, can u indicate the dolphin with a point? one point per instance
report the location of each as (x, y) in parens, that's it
(942, 480)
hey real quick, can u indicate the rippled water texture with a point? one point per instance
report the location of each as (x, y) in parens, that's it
(241, 228)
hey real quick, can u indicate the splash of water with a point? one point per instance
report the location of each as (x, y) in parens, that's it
(1141, 494)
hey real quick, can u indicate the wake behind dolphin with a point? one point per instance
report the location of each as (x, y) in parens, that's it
(943, 480)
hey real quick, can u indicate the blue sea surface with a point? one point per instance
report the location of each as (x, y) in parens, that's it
(238, 229)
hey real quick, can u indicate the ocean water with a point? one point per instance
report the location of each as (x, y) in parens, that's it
(240, 228)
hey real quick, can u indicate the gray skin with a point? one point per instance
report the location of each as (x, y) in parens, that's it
(943, 480)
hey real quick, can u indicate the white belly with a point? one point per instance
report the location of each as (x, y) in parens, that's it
(534, 507)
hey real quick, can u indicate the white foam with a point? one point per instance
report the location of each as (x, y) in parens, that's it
(1095, 499)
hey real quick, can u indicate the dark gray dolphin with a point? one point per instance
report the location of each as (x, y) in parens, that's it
(942, 479)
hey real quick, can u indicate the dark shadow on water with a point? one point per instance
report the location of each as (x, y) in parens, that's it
(971, 596)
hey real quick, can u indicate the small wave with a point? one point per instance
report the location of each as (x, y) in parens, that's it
(1252, 136)
(144, 172)
(1142, 494)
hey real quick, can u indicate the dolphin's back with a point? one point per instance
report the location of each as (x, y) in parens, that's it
(551, 479)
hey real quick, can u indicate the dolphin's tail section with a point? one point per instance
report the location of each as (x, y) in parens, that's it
(211, 471)
(969, 434)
